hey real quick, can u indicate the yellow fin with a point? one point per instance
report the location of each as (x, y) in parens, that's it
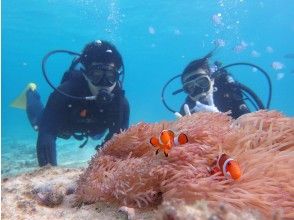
(21, 101)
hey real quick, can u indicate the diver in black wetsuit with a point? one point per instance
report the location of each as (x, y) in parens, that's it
(95, 73)
(209, 92)
(213, 89)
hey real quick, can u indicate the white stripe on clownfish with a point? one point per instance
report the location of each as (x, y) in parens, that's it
(224, 168)
(176, 140)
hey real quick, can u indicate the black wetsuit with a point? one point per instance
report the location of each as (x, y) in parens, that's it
(226, 97)
(64, 116)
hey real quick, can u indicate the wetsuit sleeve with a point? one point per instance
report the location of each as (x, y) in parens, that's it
(122, 122)
(50, 123)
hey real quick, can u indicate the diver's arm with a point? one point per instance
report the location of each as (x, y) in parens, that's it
(50, 122)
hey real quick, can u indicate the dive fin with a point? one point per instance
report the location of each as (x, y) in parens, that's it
(21, 101)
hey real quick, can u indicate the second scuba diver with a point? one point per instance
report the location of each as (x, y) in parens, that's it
(214, 89)
(89, 101)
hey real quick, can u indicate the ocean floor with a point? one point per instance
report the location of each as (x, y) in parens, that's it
(48, 193)
(31, 192)
(19, 156)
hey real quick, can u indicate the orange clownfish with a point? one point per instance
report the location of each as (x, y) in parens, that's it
(167, 140)
(228, 166)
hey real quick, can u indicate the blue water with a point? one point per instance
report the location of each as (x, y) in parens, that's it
(156, 38)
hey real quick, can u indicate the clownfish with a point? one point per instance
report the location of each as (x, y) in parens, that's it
(167, 140)
(228, 166)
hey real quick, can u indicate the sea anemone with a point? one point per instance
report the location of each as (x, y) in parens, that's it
(127, 170)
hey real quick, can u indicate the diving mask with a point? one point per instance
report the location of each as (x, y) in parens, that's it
(196, 84)
(102, 75)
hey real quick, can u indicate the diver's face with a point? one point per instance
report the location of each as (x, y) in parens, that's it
(196, 82)
(102, 75)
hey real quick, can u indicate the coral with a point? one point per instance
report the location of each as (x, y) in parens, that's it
(128, 172)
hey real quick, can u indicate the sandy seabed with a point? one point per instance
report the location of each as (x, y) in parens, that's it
(23, 197)
(48, 193)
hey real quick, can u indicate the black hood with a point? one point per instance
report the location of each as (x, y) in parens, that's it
(101, 52)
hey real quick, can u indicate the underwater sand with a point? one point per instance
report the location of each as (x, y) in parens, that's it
(21, 199)
(21, 176)
(19, 156)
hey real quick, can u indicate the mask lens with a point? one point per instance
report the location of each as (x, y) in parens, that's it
(95, 76)
(98, 72)
(110, 76)
(202, 82)
(189, 86)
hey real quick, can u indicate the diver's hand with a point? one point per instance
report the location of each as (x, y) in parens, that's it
(178, 115)
(187, 112)
(199, 107)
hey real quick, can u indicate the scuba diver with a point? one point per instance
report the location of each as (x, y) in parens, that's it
(89, 101)
(213, 89)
